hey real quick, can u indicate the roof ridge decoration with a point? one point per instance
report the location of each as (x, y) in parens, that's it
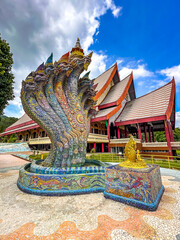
(172, 100)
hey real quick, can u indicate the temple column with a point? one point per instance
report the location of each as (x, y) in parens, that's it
(168, 137)
(102, 147)
(37, 133)
(94, 146)
(145, 132)
(109, 137)
(139, 132)
(125, 132)
(108, 130)
(24, 137)
(170, 131)
(118, 133)
(150, 138)
(153, 135)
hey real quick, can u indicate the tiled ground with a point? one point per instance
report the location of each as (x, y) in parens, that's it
(82, 217)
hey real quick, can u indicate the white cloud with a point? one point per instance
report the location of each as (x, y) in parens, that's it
(98, 65)
(172, 72)
(115, 10)
(178, 119)
(34, 30)
(138, 72)
(160, 83)
(19, 74)
(119, 61)
(140, 83)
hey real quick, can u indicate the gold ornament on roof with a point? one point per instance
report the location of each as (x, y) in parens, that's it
(134, 159)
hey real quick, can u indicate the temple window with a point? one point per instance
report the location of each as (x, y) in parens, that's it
(96, 130)
(34, 135)
(27, 136)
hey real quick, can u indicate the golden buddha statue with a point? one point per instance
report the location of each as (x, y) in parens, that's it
(134, 159)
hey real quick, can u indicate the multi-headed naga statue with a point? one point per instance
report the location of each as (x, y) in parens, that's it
(62, 103)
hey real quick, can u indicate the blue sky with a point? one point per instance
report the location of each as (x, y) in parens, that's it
(140, 35)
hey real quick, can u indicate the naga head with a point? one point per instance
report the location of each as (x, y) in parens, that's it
(39, 75)
(29, 84)
(77, 58)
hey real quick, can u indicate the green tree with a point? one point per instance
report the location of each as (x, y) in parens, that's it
(6, 77)
(5, 122)
(12, 138)
(176, 134)
(160, 136)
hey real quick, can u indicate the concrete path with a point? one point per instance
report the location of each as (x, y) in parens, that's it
(83, 217)
(9, 162)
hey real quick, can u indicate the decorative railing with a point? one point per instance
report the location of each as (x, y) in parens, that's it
(43, 140)
(161, 144)
(91, 139)
(97, 138)
(123, 140)
(175, 144)
(155, 144)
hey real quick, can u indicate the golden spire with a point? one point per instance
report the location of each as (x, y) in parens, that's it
(78, 45)
(77, 51)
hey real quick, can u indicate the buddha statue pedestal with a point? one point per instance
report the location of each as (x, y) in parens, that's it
(139, 187)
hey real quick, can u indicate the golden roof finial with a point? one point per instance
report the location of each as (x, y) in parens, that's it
(78, 45)
(77, 50)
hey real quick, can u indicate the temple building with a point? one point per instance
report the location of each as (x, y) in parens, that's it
(119, 114)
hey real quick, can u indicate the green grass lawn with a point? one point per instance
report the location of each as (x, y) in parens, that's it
(178, 152)
(38, 156)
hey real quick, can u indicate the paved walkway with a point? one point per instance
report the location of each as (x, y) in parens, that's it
(9, 162)
(81, 217)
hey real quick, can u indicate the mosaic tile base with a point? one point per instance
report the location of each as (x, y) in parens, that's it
(61, 181)
(141, 188)
(135, 203)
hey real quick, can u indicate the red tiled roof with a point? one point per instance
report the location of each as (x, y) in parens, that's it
(20, 129)
(23, 119)
(105, 114)
(116, 92)
(103, 80)
(151, 105)
(22, 124)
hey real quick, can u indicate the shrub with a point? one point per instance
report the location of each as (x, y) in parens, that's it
(92, 150)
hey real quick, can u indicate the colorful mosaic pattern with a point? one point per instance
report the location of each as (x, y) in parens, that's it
(138, 187)
(35, 167)
(61, 102)
(66, 181)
